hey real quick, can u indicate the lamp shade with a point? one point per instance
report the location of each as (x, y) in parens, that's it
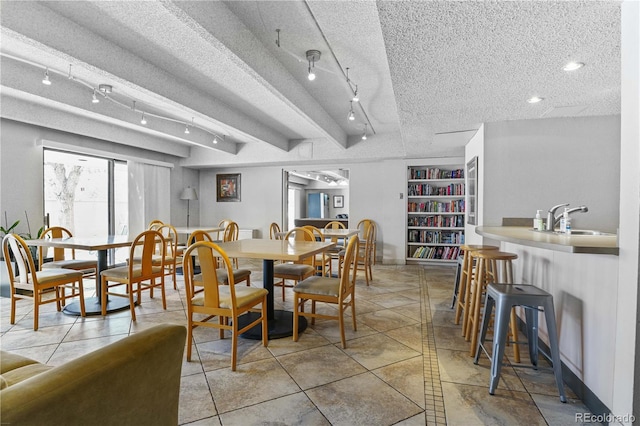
(189, 193)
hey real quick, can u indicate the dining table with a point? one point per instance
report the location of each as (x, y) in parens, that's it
(338, 233)
(280, 322)
(101, 244)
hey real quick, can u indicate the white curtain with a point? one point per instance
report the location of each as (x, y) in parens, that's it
(149, 195)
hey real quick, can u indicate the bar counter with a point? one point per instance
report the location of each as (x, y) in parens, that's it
(526, 236)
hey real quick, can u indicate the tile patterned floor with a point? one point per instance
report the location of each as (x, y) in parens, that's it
(407, 364)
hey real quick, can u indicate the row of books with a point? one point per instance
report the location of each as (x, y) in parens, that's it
(436, 173)
(436, 237)
(454, 206)
(456, 221)
(437, 252)
(427, 189)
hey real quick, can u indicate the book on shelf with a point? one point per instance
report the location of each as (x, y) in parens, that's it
(436, 173)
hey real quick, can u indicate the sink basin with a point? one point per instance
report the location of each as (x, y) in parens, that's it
(588, 232)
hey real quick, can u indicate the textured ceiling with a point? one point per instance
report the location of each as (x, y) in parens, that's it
(428, 72)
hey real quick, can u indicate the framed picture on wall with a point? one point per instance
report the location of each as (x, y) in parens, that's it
(228, 187)
(472, 191)
(338, 201)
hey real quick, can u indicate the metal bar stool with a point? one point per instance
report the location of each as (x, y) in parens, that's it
(487, 272)
(505, 297)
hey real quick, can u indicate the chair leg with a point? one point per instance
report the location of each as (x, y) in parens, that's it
(550, 318)
(189, 336)
(131, 303)
(36, 309)
(13, 309)
(81, 295)
(234, 345)
(164, 296)
(341, 325)
(353, 311)
(514, 335)
(499, 339)
(175, 283)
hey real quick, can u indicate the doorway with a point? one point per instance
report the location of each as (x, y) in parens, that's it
(304, 187)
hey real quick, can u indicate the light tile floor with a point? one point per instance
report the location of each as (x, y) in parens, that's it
(407, 363)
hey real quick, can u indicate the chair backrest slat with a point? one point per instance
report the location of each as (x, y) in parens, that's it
(209, 254)
(349, 271)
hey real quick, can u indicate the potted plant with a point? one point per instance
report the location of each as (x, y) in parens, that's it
(6, 229)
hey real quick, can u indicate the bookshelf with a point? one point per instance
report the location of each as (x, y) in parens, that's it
(435, 213)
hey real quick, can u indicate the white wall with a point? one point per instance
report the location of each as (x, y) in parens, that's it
(535, 164)
(260, 199)
(21, 175)
(626, 377)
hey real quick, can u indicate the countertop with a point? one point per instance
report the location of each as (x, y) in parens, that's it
(594, 244)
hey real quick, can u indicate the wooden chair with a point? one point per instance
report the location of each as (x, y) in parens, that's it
(274, 229)
(224, 300)
(88, 267)
(155, 224)
(364, 225)
(222, 224)
(231, 232)
(172, 254)
(364, 255)
(295, 271)
(149, 269)
(323, 260)
(338, 291)
(336, 251)
(239, 275)
(31, 284)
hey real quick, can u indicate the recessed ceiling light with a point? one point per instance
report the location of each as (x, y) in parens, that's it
(572, 66)
(534, 99)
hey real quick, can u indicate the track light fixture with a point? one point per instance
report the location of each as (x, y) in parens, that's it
(313, 56)
(351, 115)
(105, 90)
(186, 129)
(364, 134)
(356, 98)
(46, 80)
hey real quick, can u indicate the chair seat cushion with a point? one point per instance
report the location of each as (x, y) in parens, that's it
(293, 270)
(238, 275)
(77, 264)
(56, 274)
(122, 272)
(244, 296)
(324, 286)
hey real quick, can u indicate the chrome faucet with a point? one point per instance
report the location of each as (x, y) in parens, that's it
(552, 219)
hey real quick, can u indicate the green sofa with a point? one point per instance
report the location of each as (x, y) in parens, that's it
(135, 380)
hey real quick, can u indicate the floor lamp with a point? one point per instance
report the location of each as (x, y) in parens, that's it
(188, 194)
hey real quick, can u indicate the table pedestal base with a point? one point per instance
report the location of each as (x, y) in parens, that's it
(280, 326)
(92, 306)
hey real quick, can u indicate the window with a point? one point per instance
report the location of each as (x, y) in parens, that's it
(87, 195)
